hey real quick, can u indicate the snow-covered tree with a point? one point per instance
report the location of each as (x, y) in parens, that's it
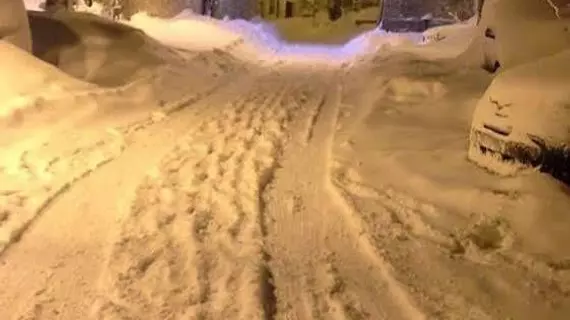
(157, 8)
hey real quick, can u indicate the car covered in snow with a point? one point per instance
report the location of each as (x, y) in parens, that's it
(513, 32)
(523, 119)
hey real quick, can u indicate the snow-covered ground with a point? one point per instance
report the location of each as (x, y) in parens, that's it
(261, 40)
(244, 177)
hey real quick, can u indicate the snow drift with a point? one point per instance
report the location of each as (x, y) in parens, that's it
(13, 24)
(34, 79)
(94, 49)
(188, 31)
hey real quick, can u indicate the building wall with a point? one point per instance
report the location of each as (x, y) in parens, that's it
(438, 8)
(242, 9)
(394, 12)
(276, 8)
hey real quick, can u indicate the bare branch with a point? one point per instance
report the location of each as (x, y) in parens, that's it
(555, 8)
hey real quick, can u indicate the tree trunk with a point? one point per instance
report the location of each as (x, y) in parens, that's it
(480, 4)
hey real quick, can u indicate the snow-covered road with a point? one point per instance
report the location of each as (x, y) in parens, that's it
(236, 203)
(222, 209)
(248, 181)
(211, 211)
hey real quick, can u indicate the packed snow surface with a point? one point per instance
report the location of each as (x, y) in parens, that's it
(241, 179)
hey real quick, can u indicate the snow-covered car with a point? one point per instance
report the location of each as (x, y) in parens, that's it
(513, 32)
(523, 119)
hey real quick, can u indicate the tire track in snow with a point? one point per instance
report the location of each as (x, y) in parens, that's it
(74, 209)
(399, 226)
(305, 277)
(437, 252)
(54, 168)
(323, 268)
(192, 243)
(405, 214)
(383, 269)
(43, 181)
(312, 120)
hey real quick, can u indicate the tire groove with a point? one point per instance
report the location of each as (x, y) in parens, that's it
(222, 277)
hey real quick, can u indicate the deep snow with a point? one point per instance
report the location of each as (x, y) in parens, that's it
(292, 182)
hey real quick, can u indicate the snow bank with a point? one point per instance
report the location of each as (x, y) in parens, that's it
(444, 42)
(440, 33)
(34, 4)
(377, 39)
(34, 79)
(186, 31)
(258, 39)
(245, 40)
(257, 32)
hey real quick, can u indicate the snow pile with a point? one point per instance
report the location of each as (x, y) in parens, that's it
(440, 33)
(257, 32)
(377, 39)
(35, 80)
(445, 42)
(194, 32)
(35, 5)
(186, 31)
(259, 40)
